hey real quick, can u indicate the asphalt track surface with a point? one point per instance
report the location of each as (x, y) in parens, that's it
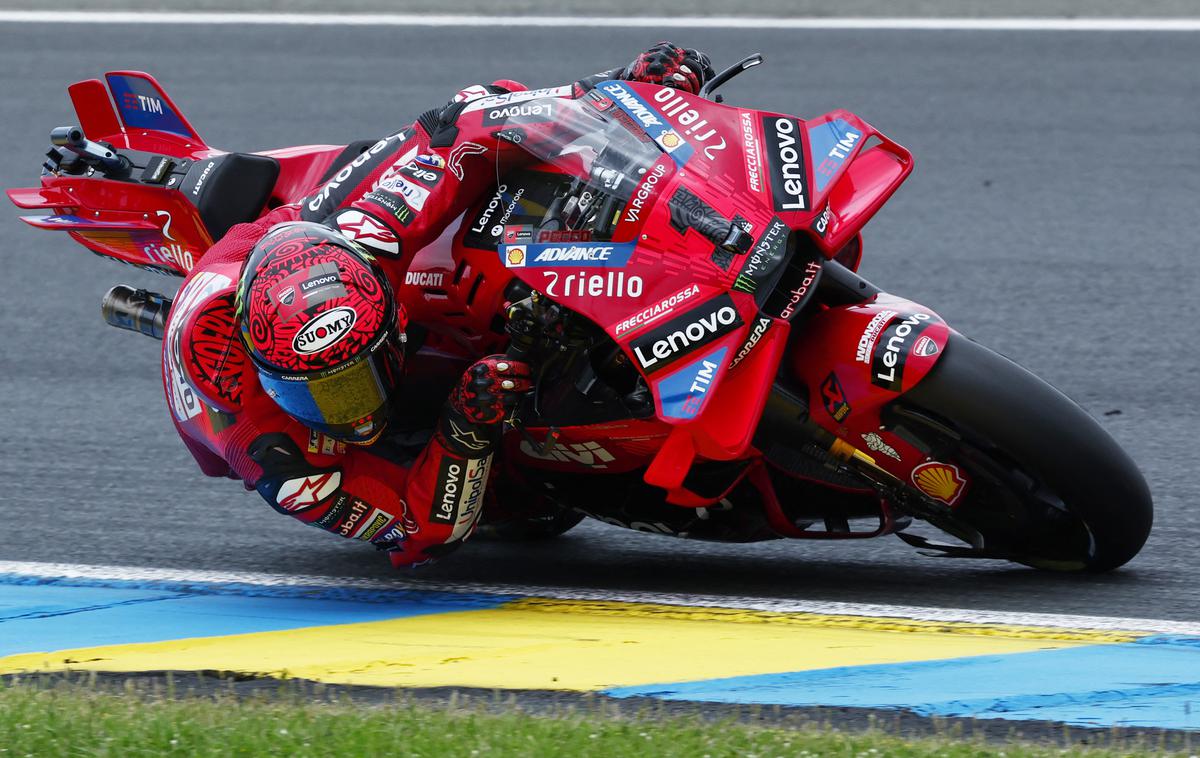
(1052, 216)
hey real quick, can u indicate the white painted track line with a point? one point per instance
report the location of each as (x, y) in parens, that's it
(52, 571)
(626, 22)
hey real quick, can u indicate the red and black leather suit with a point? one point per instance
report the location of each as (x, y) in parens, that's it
(394, 198)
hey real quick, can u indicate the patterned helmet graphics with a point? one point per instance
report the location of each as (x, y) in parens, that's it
(310, 299)
(323, 329)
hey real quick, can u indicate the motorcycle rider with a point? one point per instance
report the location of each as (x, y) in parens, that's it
(284, 351)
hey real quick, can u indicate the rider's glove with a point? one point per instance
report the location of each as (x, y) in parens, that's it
(489, 388)
(671, 66)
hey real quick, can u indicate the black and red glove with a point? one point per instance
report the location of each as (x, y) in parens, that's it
(671, 66)
(490, 388)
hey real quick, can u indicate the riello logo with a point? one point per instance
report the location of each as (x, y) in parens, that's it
(324, 330)
(686, 333)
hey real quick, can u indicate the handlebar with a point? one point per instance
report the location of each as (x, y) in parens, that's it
(71, 138)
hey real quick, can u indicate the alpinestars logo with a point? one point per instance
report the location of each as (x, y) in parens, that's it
(685, 334)
(297, 495)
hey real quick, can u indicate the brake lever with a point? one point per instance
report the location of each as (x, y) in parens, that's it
(740, 67)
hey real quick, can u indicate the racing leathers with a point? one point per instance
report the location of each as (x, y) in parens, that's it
(417, 497)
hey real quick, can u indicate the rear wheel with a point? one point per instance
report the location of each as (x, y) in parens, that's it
(1048, 486)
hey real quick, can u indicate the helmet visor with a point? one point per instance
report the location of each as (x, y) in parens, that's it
(349, 402)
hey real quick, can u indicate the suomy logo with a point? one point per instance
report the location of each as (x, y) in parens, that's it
(686, 333)
(324, 330)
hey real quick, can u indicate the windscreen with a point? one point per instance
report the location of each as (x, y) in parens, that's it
(606, 158)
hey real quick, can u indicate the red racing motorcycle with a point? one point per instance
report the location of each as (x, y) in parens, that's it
(681, 275)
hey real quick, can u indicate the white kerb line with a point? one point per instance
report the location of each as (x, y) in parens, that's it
(65, 571)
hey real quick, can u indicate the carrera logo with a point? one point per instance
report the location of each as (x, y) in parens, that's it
(785, 154)
(297, 495)
(686, 333)
(760, 328)
(324, 330)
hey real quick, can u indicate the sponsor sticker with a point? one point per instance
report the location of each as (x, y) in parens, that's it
(296, 495)
(324, 331)
(335, 514)
(876, 444)
(185, 404)
(684, 392)
(833, 397)
(369, 232)
(940, 481)
(677, 108)
(446, 493)
(582, 254)
(683, 335)
(372, 524)
(424, 278)
(645, 189)
(831, 142)
(470, 502)
(424, 175)
(752, 152)
(589, 454)
(925, 347)
(393, 204)
(414, 194)
(785, 163)
(664, 307)
(821, 223)
(764, 259)
(761, 325)
(892, 350)
(649, 120)
(354, 517)
(542, 111)
(866, 342)
(608, 284)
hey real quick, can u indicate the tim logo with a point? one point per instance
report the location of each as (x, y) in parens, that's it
(144, 103)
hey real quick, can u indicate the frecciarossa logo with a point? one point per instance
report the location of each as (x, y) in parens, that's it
(686, 334)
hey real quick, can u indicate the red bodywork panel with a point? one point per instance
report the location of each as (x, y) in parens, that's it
(776, 175)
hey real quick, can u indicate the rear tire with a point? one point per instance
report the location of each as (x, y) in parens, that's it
(1050, 488)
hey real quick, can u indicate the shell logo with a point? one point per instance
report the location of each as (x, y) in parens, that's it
(941, 481)
(514, 256)
(670, 140)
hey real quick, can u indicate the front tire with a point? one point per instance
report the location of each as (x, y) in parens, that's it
(1049, 487)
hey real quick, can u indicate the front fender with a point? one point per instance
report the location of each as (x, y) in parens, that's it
(854, 359)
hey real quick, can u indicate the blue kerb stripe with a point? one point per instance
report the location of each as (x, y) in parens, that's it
(1154, 682)
(39, 615)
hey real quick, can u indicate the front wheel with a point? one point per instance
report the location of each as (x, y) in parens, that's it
(1048, 486)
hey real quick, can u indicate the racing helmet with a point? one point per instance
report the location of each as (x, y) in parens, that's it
(323, 330)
